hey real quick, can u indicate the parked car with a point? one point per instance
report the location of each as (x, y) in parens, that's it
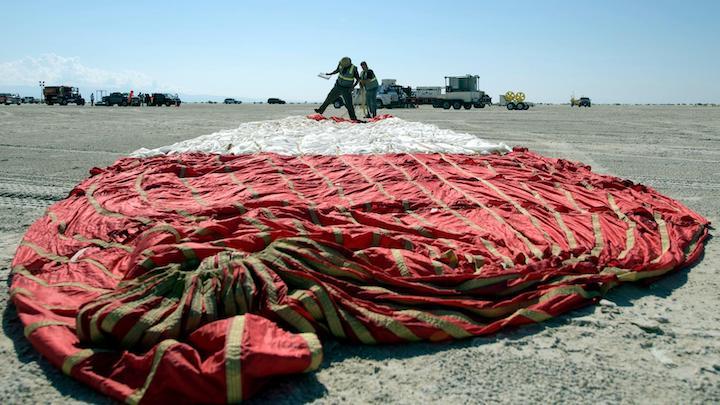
(117, 98)
(7, 99)
(275, 101)
(29, 100)
(160, 99)
(232, 101)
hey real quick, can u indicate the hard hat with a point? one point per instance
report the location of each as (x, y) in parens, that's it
(345, 62)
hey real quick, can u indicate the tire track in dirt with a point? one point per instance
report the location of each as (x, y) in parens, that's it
(30, 193)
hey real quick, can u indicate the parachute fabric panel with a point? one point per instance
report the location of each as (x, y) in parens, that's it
(197, 277)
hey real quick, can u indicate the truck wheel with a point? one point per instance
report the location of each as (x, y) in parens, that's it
(481, 105)
(168, 104)
(446, 105)
(510, 106)
(467, 106)
(520, 106)
(124, 103)
(63, 102)
(338, 104)
(457, 105)
(527, 107)
(379, 103)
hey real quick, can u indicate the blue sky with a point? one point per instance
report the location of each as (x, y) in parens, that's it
(613, 51)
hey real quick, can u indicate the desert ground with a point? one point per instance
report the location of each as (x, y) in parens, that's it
(641, 344)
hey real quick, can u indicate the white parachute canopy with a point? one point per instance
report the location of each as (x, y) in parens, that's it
(300, 135)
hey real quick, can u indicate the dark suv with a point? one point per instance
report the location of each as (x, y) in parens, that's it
(118, 98)
(275, 101)
(160, 99)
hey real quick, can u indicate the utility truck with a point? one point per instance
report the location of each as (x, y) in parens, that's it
(62, 95)
(461, 92)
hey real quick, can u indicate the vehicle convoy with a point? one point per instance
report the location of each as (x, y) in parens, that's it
(232, 101)
(389, 95)
(7, 99)
(160, 99)
(461, 92)
(120, 99)
(62, 95)
(582, 102)
(514, 101)
(274, 100)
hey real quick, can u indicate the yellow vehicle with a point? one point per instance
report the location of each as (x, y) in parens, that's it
(514, 101)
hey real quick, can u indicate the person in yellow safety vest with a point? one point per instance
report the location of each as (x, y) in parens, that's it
(369, 82)
(347, 79)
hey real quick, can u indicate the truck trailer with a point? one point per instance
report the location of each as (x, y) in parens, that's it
(426, 94)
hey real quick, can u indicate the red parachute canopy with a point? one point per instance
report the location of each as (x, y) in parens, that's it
(196, 277)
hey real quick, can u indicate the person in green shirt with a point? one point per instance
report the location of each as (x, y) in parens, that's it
(347, 79)
(369, 82)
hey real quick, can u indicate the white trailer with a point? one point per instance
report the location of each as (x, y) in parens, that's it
(426, 94)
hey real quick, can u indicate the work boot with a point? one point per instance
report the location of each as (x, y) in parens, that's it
(317, 110)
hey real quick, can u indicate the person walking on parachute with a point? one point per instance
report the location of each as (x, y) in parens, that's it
(369, 82)
(347, 79)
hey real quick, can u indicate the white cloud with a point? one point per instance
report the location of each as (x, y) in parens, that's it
(55, 69)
